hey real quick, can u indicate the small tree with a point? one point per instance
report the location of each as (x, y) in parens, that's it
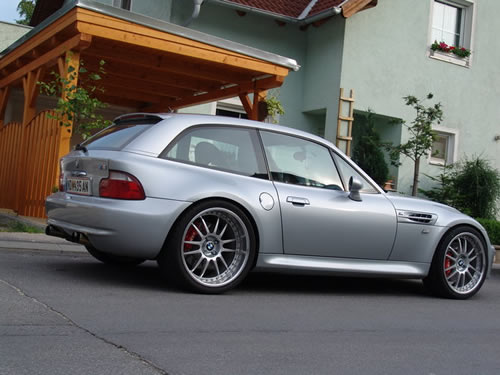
(367, 152)
(421, 135)
(77, 104)
(25, 9)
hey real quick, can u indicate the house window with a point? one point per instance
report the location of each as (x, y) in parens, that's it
(447, 23)
(229, 108)
(124, 4)
(452, 23)
(444, 147)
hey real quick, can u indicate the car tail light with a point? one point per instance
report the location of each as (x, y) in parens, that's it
(121, 185)
(61, 182)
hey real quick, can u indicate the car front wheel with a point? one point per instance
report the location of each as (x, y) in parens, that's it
(211, 249)
(460, 264)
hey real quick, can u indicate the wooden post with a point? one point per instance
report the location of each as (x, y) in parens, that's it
(252, 109)
(30, 89)
(4, 97)
(69, 70)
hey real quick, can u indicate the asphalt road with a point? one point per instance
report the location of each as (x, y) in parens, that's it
(68, 314)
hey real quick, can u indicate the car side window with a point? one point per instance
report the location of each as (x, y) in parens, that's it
(347, 171)
(225, 148)
(294, 160)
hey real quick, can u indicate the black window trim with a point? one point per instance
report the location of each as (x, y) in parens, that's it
(332, 153)
(304, 139)
(254, 136)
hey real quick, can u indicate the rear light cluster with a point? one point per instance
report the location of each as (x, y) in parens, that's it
(62, 184)
(121, 185)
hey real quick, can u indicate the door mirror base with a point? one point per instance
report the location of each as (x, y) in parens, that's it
(355, 186)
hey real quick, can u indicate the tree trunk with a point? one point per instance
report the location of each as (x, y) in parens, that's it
(416, 171)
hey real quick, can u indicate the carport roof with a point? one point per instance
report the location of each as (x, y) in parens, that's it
(150, 64)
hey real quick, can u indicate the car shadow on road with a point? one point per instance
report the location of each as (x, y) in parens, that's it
(326, 284)
(148, 276)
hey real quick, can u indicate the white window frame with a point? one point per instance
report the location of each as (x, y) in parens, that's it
(467, 31)
(451, 146)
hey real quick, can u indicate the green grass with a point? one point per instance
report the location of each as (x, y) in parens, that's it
(17, 226)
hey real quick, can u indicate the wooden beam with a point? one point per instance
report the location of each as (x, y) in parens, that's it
(146, 87)
(254, 115)
(76, 42)
(168, 63)
(247, 104)
(132, 36)
(132, 94)
(352, 7)
(30, 89)
(113, 28)
(126, 70)
(4, 98)
(45, 35)
(224, 93)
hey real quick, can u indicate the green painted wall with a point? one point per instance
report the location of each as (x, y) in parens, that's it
(386, 57)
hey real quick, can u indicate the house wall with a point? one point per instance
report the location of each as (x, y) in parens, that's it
(386, 58)
(10, 32)
(259, 32)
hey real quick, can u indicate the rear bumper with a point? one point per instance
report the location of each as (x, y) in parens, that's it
(129, 228)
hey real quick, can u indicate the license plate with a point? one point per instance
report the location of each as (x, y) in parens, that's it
(78, 186)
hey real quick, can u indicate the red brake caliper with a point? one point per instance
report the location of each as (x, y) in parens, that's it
(190, 236)
(447, 264)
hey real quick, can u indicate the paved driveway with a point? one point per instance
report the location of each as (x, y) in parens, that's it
(65, 313)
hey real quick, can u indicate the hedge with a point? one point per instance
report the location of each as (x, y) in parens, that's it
(493, 229)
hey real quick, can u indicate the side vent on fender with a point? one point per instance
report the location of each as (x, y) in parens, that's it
(416, 217)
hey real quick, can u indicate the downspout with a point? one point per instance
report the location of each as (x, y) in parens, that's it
(196, 12)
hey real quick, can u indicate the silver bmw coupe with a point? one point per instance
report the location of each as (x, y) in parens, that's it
(211, 198)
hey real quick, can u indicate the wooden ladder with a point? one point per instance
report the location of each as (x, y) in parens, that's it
(344, 123)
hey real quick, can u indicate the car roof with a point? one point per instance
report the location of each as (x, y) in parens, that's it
(183, 121)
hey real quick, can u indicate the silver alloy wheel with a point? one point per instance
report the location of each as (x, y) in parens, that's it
(464, 263)
(215, 247)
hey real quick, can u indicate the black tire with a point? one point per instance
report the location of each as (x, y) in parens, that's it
(111, 259)
(210, 249)
(459, 266)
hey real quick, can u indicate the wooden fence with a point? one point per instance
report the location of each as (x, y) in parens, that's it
(29, 164)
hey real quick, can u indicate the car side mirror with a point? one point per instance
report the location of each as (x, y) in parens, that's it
(355, 186)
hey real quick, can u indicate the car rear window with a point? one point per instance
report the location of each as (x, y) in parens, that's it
(118, 135)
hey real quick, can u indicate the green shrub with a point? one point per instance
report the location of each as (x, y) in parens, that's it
(493, 229)
(367, 151)
(471, 186)
(478, 188)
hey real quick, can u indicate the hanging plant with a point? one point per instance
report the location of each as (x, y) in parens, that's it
(274, 107)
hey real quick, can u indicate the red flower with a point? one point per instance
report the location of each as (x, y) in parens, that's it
(463, 49)
(452, 48)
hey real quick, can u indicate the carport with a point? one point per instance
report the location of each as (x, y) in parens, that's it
(151, 66)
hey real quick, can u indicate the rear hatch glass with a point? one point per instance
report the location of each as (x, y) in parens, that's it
(121, 133)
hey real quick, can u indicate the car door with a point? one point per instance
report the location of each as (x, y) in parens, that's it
(318, 217)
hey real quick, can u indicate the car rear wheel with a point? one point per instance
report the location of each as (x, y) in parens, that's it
(460, 264)
(112, 259)
(211, 249)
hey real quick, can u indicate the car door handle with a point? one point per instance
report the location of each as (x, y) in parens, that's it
(298, 200)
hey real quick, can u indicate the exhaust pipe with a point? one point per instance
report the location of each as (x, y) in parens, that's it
(75, 237)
